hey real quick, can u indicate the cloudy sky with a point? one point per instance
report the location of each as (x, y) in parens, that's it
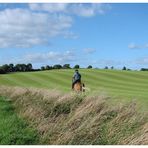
(97, 34)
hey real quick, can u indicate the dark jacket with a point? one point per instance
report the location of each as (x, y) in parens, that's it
(76, 76)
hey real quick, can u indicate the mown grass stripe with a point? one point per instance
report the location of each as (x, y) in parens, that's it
(114, 81)
(124, 76)
(91, 76)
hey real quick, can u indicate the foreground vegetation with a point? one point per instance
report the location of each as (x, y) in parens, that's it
(122, 85)
(78, 119)
(13, 129)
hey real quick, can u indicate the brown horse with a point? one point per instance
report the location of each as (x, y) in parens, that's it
(79, 87)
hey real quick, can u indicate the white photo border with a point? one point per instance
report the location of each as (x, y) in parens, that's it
(73, 1)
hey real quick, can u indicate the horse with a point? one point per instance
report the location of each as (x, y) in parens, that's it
(79, 87)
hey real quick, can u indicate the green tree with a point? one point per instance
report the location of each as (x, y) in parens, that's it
(43, 68)
(112, 67)
(124, 68)
(11, 67)
(106, 67)
(76, 67)
(29, 67)
(48, 67)
(144, 69)
(5, 67)
(57, 66)
(2, 71)
(89, 67)
(20, 67)
(66, 66)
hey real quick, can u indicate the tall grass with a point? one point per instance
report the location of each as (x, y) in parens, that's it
(77, 118)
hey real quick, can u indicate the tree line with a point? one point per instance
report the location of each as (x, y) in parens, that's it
(8, 68)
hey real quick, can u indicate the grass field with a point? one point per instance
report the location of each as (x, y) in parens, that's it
(116, 83)
(42, 110)
(13, 129)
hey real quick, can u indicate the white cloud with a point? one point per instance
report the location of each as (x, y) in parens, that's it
(24, 28)
(136, 46)
(49, 7)
(90, 10)
(142, 61)
(89, 50)
(70, 35)
(84, 10)
(53, 57)
(111, 62)
(146, 45)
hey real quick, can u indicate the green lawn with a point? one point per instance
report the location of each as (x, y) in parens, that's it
(129, 84)
(13, 129)
(120, 86)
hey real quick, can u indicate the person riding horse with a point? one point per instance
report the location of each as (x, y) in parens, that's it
(76, 78)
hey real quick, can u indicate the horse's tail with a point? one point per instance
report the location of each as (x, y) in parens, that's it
(83, 84)
(83, 87)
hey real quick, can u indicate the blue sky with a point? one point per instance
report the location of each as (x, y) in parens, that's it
(86, 34)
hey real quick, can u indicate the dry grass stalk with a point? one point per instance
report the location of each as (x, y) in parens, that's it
(78, 119)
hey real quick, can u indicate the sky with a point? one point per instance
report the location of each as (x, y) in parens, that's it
(86, 34)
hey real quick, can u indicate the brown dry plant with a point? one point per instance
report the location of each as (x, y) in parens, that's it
(78, 118)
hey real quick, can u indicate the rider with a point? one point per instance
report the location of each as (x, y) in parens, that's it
(76, 78)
